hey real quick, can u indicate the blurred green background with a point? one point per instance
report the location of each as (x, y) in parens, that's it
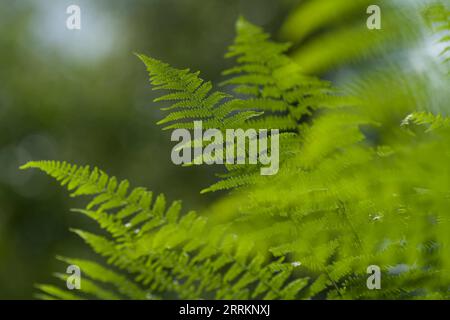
(82, 96)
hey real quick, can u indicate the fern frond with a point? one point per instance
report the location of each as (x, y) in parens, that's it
(193, 97)
(265, 73)
(340, 206)
(154, 244)
(433, 122)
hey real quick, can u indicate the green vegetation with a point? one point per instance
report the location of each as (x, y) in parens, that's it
(364, 180)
